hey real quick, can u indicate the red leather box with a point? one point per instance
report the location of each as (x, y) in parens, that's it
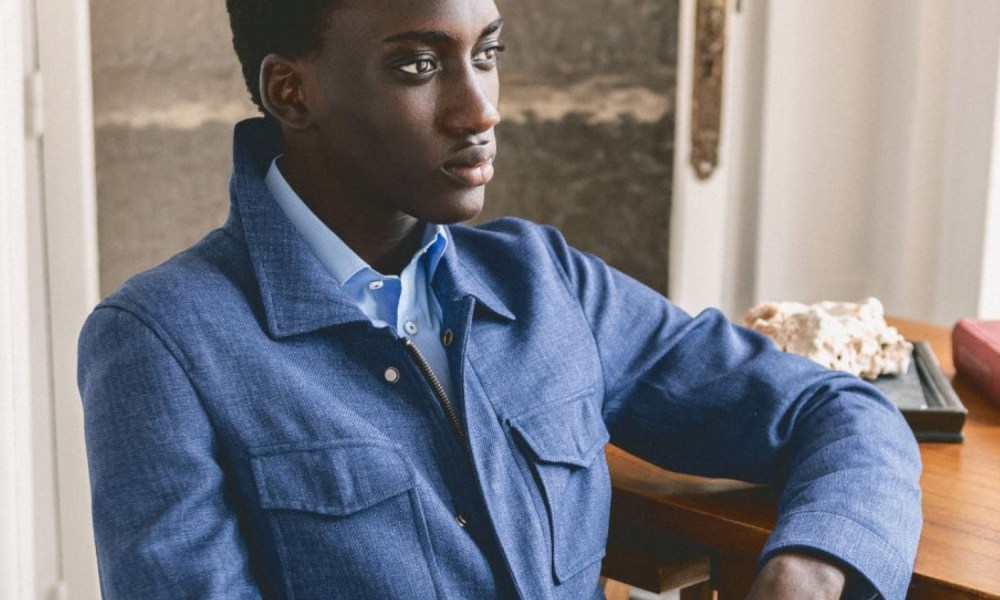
(975, 347)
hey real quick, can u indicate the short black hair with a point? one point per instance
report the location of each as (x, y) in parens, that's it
(289, 28)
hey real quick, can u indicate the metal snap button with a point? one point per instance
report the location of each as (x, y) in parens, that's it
(392, 375)
(447, 337)
(376, 285)
(410, 327)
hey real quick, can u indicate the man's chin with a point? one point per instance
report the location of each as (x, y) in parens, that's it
(465, 207)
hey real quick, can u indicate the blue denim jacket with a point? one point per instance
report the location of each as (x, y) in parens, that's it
(251, 434)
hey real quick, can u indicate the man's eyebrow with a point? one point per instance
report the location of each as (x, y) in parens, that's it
(438, 36)
(492, 27)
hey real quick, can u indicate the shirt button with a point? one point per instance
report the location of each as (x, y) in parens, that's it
(376, 285)
(447, 337)
(462, 521)
(410, 327)
(392, 375)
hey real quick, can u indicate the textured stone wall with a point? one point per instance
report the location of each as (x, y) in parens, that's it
(586, 142)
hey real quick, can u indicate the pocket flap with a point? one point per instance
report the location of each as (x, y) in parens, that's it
(569, 431)
(335, 478)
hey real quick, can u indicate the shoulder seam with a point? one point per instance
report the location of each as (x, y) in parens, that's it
(168, 343)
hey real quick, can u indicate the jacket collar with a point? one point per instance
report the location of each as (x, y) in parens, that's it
(454, 282)
(297, 292)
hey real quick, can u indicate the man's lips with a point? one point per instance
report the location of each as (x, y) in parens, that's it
(470, 167)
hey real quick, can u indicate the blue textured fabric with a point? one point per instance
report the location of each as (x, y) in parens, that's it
(246, 437)
(406, 302)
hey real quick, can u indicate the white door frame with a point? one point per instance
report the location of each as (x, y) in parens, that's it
(70, 221)
(48, 284)
(17, 564)
(713, 222)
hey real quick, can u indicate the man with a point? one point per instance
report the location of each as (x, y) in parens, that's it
(342, 394)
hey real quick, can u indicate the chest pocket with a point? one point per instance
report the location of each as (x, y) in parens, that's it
(565, 443)
(345, 517)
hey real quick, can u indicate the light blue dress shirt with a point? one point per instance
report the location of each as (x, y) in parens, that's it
(405, 303)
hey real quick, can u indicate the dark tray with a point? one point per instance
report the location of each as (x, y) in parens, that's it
(925, 397)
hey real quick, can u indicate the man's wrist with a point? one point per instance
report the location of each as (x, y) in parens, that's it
(796, 574)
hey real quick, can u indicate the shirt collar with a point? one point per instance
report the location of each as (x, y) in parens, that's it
(338, 258)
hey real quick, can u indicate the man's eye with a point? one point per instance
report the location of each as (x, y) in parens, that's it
(488, 55)
(421, 66)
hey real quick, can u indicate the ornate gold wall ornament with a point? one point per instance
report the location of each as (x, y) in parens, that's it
(706, 118)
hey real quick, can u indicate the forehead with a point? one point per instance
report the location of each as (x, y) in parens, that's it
(372, 21)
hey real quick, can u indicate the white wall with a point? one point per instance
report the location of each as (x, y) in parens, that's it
(861, 161)
(989, 295)
(816, 167)
(968, 277)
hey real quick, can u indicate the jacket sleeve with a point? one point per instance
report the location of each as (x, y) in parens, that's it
(162, 525)
(702, 396)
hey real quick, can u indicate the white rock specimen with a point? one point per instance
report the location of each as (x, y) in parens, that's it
(847, 336)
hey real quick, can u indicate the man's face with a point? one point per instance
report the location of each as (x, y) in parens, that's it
(405, 104)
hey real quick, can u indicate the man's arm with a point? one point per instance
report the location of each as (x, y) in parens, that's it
(162, 525)
(699, 395)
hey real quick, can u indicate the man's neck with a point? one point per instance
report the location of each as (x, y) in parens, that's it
(386, 240)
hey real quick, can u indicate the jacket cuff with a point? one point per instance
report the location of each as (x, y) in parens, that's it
(880, 569)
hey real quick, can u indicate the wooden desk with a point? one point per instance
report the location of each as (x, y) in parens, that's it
(728, 521)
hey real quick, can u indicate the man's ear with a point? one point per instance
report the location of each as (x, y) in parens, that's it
(282, 92)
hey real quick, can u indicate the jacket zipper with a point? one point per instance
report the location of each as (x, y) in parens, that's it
(446, 405)
(449, 410)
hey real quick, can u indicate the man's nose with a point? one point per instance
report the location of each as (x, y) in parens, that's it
(470, 102)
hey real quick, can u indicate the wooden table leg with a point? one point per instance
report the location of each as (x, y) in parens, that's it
(615, 590)
(700, 591)
(733, 574)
